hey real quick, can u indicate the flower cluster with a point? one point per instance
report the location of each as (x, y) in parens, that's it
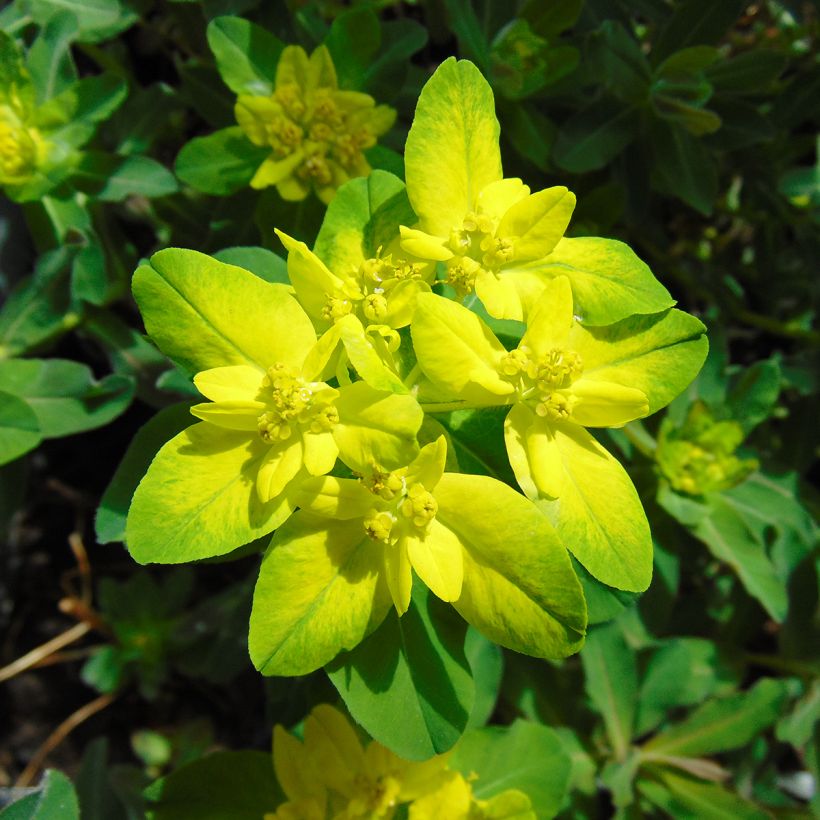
(331, 775)
(316, 132)
(336, 403)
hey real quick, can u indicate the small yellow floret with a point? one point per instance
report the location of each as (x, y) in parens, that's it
(419, 505)
(20, 147)
(379, 525)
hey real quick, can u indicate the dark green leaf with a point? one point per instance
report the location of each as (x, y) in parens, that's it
(530, 133)
(696, 22)
(221, 786)
(748, 73)
(221, 163)
(753, 396)
(595, 135)
(473, 41)
(353, 41)
(487, 666)
(617, 58)
(384, 76)
(264, 263)
(409, 684)
(19, 427)
(550, 19)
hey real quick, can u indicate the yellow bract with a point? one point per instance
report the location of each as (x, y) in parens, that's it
(316, 132)
(507, 227)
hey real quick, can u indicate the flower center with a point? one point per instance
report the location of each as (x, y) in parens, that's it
(398, 508)
(544, 382)
(476, 247)
(18, 147)
(294, 403)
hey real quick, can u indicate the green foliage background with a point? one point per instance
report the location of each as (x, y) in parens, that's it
(687, 129)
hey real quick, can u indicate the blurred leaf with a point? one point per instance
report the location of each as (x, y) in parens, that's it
(409, 683)
(682, 672)
(64, 395)
(615, 55)
(102, 790)
(723, 724)
(753, 396)
(246, 55)
(54, 799)
(221, 163)
(603, 602)
(750, 72)
(19, 427)
(111, 178)
(201, 88)
(40, 308)
(384, 75)
(595, 135)
(139, 123)
(550, 19)
(696, 22)
(741, 125)
(798, 726)
(684, 168)
(473, 41)
(529, 132)
(611, 683)
(728, 537)
(221, 786)
(98, 19)
(487, 667)
(685, 797)
(525, 756)
(109, 522)
(49, 58)
(353, 41)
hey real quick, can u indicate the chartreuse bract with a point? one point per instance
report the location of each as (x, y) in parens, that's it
(560, 379)
(495, 237)
(336, 567)
(270, 423)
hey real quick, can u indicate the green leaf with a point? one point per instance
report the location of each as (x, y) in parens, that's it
(529, 132)
(204, 313)
(246, 55)
(14, 75)
(730, 540)
(611, 682)
(683, 167)
(799, 725)
(452, 148)
(681, 796)
(472, 39)
(64, 395)
(519, 589)
(260, 261)
(753, 395)
(696, 22)
(524, 756)
(221, 786)
(198, 498)
(595, 135)
(320, 591)
(742, 124)
(112, 178)
(409, 684)
(19, 427)
(111, 515)
(609, 281)
(221, 163)
(616, 57)
(723, 724)
(384, 75)
(55, 798)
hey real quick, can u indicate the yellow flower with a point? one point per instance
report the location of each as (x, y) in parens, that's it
(317, 133)
(21, 148)
(331, 775)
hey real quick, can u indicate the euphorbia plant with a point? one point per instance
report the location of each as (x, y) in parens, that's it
(328, 419)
